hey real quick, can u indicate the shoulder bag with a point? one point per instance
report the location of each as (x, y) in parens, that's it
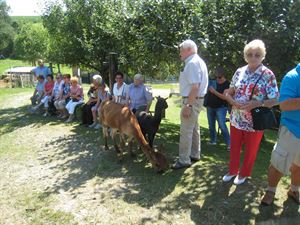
(263, 117)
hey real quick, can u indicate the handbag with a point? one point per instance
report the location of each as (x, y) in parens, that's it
(263, 117)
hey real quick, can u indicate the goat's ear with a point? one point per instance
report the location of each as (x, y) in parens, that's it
(166, 98)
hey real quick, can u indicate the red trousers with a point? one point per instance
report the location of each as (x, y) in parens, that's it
(251, 140)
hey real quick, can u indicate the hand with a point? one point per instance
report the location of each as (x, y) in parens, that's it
(212, 90)
(187, 111)
(236, 104)
(250, 105)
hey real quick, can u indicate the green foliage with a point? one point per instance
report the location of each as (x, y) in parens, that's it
(31, 42)
(6, 30)
(145, 33)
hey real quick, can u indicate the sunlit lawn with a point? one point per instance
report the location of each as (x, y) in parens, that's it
(130, 192)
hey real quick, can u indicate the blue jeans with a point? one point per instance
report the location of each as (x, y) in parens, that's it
(218, 114)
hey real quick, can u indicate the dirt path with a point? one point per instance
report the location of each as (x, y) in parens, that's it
(56, 173)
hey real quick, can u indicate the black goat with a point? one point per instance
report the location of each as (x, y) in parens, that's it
(149, 124)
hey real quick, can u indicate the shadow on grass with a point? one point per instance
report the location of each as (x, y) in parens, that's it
(12, 119)
(79, 157)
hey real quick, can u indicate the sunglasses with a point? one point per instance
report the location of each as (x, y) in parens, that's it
(251, 55)
(219, 77)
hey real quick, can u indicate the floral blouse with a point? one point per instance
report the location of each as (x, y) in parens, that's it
(243, 82)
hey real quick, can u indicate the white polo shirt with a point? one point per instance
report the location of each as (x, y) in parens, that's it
(195, 72)
(120, 93)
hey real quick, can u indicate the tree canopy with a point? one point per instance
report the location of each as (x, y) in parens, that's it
(6, 30)
(145, 33)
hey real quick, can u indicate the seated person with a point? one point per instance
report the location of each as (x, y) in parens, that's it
(119, 89)
(38, 91)
(76, 95)
(64, 98)
(56, 93)
(48, 87)
(102, 95)
(87, 117)
(138, 97)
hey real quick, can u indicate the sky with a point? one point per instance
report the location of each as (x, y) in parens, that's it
(25, 7)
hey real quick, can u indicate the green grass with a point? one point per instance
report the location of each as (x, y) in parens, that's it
(167, 86)
(10, 63)
(65, 164)
(26, 19)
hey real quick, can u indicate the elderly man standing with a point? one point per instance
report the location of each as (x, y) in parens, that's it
(41, 69)
(193, 83)
(285, 157)
(138, 97)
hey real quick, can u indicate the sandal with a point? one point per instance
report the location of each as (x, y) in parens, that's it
(294, 195)
(268, 198)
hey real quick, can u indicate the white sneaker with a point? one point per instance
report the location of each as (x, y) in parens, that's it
(238, 180)
(98, 126)
(228, 177)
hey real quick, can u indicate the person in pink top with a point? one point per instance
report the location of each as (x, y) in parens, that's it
(76, 94)
(47, 94)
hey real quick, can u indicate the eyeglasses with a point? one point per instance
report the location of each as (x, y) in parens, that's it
(219, 77)
(251, 55)
(119, 78)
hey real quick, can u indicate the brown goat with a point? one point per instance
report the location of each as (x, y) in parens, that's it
(121, 119)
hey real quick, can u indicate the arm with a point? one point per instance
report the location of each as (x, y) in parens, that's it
(290, 104)
(219, 95)
(229, 93)
(186, 113)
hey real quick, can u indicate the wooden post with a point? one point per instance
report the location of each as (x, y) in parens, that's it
(51, 68)
(58, 67)
(113, 67)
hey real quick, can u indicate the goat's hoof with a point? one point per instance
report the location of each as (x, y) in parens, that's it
(106, 148)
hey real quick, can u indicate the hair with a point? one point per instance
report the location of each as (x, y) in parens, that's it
(74, 79)
(189, 44)
(138, 76)
(50, 75)
(40, 61)
(255, 45)
(119, 73)
(59, 75)
(67, 76)
(103, 83)
(220, 71)
(97, 78)
(41, 77)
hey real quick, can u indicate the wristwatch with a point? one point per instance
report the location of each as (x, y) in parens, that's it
(189, 105)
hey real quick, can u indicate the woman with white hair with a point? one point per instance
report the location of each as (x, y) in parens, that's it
(138, 98)
(86, 116)
(254, 80)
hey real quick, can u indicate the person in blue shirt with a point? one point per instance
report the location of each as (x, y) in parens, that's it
(38, 91)
(285, 158)
(41, 69)
(138, 98)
